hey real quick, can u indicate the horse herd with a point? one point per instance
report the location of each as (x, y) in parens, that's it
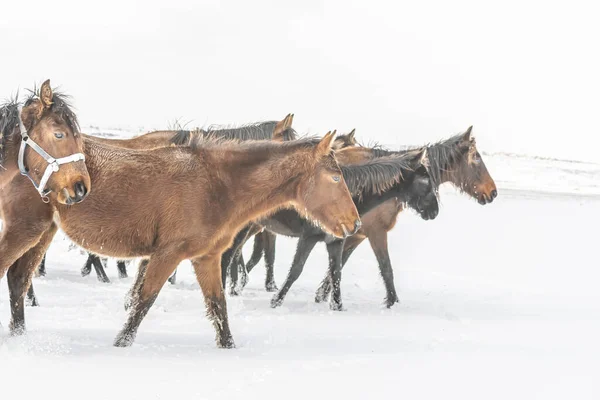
(169, 196)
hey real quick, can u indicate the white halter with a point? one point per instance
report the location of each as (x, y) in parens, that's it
(53, 163)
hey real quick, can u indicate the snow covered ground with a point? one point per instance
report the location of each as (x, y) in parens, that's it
(498, 301)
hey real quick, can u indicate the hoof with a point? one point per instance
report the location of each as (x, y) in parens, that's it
(333, 306)
(123, 341)
(225, 343)
(390, 301)
(32, 302)
(243, 282)
(322, 293)
(17, 330)
(271, 287)
(233, 292)
(276, 302)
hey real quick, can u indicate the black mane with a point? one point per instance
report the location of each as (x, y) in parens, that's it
(443, 157)
(9, 121)
(379, 174)
(253, 131)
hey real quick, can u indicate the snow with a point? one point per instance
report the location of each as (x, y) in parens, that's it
(497, 302)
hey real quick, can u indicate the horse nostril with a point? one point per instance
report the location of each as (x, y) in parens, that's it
(494, 194)
(80, 190)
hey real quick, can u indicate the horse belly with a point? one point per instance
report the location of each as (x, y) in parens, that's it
(108, 237)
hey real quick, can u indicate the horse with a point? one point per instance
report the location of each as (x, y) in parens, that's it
(399, 177)
(39, 138)
(245, 132)
(275, 130)
(455, 160)
(278, 130)
(165, 205)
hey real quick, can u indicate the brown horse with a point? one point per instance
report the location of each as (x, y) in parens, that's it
(276, 130)
(43, 142)
(271, 130)
(455, 160)
(166, 205)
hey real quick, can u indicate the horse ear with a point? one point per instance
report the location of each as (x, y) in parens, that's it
(324, 146)
(467, 134)
(281, 127)
(46, 94)
(351, 138)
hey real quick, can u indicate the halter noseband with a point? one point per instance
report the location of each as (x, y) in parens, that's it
(53, 163)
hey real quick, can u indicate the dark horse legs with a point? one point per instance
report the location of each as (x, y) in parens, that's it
(379, 244)
(303, 249)
(42, 267)
(232, 254)
(324, 289)
(264, 242)
(335, 249)
(95, 261)
(270, 240)
(122, 267)
(19, 279)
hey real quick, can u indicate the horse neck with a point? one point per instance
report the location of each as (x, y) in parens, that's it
(446, 171)
(267, 182)
(368, 201)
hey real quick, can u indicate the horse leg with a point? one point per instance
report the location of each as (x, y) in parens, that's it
(243, 274)
(87, 268)
(324, 288)
(99, 268)
(379, 245)
(231, 262)
(31, 297)
(157, 270)
(257, 250)
(305, 246)
(207, 273)
(122, 269)
(135, 288)
(335, 273)
(42, 267)
(269, 244)
(229, 259)
(19, 279)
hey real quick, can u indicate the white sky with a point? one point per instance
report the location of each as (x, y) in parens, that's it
(526, 74)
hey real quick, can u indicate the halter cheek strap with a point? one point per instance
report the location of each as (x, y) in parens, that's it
(53, 163)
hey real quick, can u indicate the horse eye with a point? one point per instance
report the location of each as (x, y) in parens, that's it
(336, 178)
(59, 135)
